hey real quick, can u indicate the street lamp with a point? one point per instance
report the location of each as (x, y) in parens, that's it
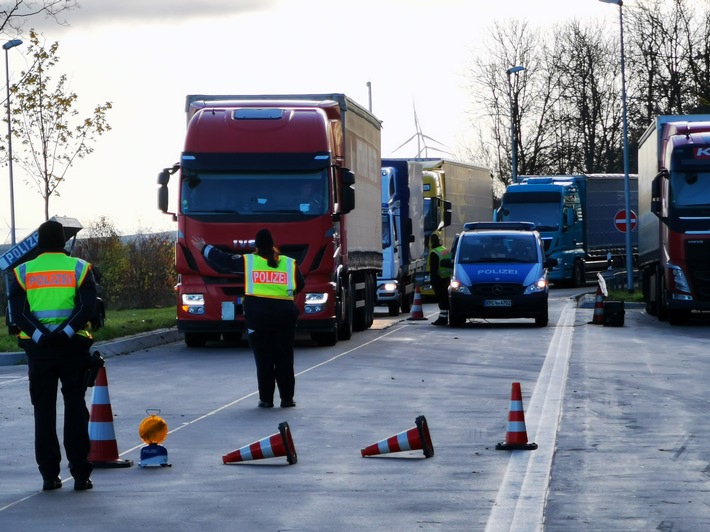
(6, 47)
(625, 127)
(514, 161)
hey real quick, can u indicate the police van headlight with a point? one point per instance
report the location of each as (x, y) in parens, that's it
(315, 302)
(193, 303)
(538, 286)
(457, 287)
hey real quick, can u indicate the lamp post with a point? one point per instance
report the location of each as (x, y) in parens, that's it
(6, 47)
(514, 161)
(625, 127)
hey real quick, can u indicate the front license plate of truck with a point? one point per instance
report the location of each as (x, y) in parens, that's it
(496, 303)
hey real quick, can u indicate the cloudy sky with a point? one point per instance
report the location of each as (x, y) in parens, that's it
(145, 57)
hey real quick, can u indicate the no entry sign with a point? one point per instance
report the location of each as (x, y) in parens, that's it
(620, 220)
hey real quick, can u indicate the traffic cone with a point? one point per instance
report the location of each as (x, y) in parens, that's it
(417, 312)
(516, 437)
(409, 440)
(279, 444)
(104, 450)
(598, 317)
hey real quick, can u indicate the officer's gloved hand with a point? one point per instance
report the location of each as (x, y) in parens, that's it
(43, 341)
(58, 339)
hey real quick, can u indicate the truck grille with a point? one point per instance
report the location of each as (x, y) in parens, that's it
(496, 289)
(698, 258)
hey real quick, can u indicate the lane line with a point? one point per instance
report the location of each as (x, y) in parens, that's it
(520, 502)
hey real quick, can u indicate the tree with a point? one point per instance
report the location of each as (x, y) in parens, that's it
(13, 15)
(45, 121)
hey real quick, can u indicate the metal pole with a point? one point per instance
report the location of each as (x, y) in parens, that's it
(9, 151)
(627, 198)
(513, 146)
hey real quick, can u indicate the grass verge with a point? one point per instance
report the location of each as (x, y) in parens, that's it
(119, 323)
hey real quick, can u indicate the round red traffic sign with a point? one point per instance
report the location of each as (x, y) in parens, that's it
(620, 220)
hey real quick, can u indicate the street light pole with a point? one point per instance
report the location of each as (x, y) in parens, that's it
(625, 127)
(513, 151)
(6, 47)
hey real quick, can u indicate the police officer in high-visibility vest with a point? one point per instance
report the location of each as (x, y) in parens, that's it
(52, 299)
(439, 276)
(270, 283)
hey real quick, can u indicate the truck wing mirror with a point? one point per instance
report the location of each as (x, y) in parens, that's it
(447, 214)
(656, 187)
(347, 197)
(550, 263)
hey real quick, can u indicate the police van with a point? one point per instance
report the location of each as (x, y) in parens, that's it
(499, 271)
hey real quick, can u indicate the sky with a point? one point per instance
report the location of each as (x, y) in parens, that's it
(145, 57)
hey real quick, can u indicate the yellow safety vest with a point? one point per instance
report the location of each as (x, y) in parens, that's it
(261, 280)
(443, 253)
(51, 281)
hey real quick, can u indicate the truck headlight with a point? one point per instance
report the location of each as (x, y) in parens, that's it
(315, 302)
(679, 280)
(193, 303)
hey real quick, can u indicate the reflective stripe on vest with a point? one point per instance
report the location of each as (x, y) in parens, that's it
(51, 281)
(262, 280)
(443, 253)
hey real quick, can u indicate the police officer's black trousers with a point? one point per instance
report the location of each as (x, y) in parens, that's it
(44, 376)
(273, 354)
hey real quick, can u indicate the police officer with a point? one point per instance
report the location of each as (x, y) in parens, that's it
(440, 277)
(270, 283)
(52, 299)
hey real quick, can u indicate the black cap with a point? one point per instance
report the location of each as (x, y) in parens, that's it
(51, 236)
(264, 240)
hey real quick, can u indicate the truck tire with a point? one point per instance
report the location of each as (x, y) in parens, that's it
(345, 331)
(195, 339)
(393, 308)
(371, 300)
(647, 279)
(579, 276)
(407, 300)
(661, 308)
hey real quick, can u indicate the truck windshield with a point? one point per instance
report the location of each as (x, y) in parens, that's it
(386, 235)
(431, 216)
(690, 188)
(545, 216)
(303, 193)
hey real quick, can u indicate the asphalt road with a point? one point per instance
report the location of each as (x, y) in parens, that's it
(617, 414)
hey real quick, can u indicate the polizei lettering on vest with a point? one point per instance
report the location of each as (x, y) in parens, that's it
(269, 277)
(50, 279)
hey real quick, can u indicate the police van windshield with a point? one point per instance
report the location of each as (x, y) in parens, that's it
(479, 248)
(304, 193)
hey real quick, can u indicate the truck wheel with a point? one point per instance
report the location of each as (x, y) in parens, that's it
(579, 276)
(195, 339)
(371, 299)
(650, 306)
(393, 308)
(661, 308)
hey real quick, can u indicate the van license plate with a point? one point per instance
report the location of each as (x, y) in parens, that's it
(497, 303)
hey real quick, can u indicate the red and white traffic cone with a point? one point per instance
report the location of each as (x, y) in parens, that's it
(516, 437)
(409, 440)
(417, 312)
(278, 444)
(104, 449)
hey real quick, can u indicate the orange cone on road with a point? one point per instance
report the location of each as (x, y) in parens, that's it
(278, 444)
(417, 312)
(516, 437)
(598, 317)
(409, 440)
(104, 449)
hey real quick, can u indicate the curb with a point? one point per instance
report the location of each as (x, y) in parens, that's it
(111, 348)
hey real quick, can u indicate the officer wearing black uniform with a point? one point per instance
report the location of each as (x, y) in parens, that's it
(52, 299)
(270, 282)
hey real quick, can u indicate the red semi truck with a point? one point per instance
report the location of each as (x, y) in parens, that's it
(674, 216)
(307, 167)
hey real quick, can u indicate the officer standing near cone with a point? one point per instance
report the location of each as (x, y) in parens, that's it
(440, 277)
(52, 299)
(270, 283)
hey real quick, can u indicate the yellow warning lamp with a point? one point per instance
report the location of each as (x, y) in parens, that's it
(153, 430)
